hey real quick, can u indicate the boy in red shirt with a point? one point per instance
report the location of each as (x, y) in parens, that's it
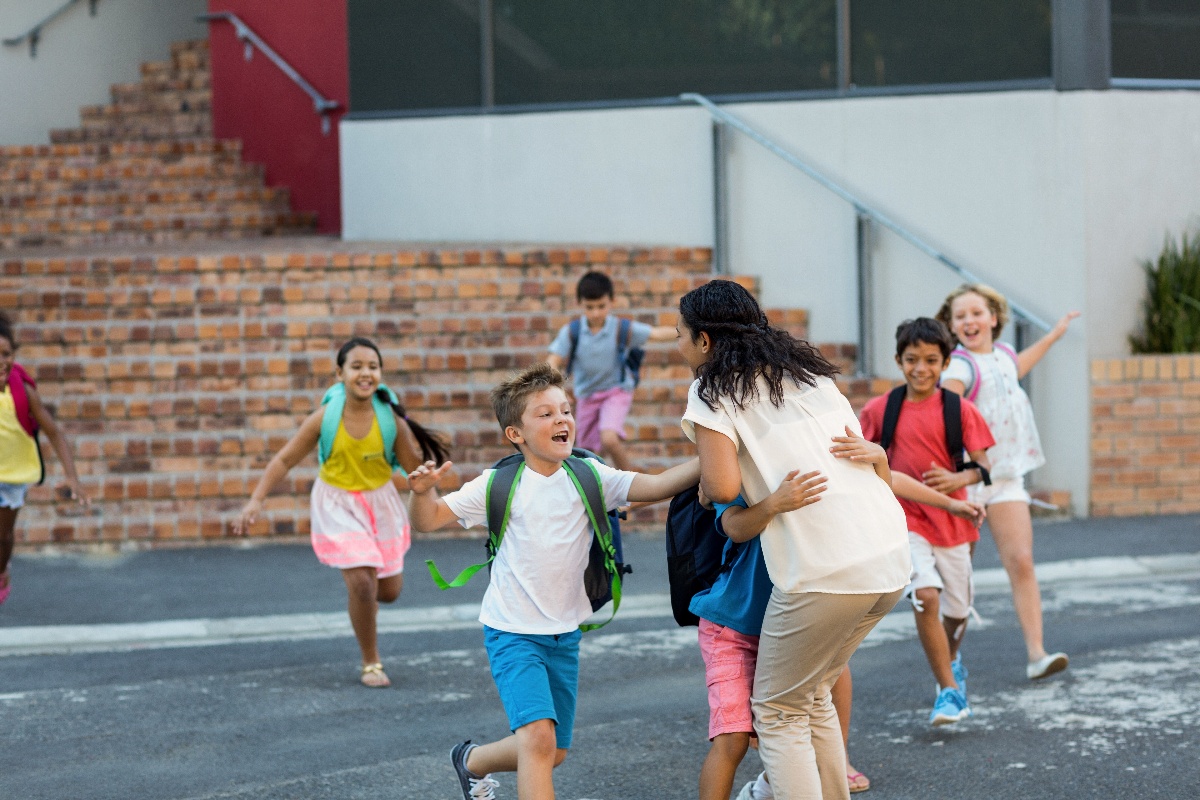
(922, 443)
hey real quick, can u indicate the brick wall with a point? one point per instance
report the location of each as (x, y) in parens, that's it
(1145, 435)
(179, 376)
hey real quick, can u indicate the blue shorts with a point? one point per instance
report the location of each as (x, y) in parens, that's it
(537, 676)
(12, 495)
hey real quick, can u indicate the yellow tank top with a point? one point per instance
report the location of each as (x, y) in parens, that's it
(356, 465)
(18, 451)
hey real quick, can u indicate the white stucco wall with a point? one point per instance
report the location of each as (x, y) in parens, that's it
(1052, 197)
(80, 56)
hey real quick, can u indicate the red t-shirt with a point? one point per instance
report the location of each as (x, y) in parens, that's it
(920, 440)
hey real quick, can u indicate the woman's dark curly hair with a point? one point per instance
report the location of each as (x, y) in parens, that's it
(745, 346)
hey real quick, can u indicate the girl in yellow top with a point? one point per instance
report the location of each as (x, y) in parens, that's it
(22, 415)
(359, 524)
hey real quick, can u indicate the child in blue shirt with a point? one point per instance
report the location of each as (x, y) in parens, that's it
(731, 615)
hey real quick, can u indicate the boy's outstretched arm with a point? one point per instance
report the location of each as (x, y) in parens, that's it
(910, 488)
(427, 511)
(797, 491)
(663, 333)
(665, 484)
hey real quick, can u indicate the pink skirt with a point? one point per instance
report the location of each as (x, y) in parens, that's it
(360, 529)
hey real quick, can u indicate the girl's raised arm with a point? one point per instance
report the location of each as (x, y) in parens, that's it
(1030, 356)
(299, 446)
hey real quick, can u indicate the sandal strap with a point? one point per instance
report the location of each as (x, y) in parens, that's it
(369, 668)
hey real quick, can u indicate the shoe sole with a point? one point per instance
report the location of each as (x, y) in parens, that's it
(1053, 668)
(946, 719)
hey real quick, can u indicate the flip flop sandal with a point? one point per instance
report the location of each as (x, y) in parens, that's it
(374, 677)
(855, 787)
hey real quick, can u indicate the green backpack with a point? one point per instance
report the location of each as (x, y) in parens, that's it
(602, 577)
(335, 403)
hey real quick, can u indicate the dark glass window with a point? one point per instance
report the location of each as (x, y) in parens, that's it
(414, 54)
(897, 43)
(1156, 38)
(576, 50)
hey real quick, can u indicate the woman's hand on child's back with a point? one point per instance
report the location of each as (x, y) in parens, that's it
(426, 476)
(797, 491)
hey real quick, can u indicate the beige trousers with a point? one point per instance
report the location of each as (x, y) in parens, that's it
(806, 641)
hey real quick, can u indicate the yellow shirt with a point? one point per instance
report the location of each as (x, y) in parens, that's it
(19, 462)
(356, 465)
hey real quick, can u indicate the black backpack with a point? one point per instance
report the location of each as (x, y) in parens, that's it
(951, 418)
(606, 562)
(694, 550)
(630, 358)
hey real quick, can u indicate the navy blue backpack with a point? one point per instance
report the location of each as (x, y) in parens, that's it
(694, 552)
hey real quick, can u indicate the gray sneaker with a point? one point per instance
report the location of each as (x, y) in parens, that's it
(473, 787)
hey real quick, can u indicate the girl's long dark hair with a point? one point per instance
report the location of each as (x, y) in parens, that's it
(433, 448)
(745, 346)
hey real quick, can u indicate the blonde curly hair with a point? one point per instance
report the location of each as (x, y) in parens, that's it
(994, 300)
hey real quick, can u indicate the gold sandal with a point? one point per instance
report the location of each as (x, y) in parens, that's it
(374, 677)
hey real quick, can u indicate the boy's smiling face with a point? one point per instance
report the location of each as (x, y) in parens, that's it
(547, 430)
(922, 364)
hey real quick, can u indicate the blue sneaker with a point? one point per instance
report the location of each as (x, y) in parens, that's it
(959, 670)
(950, 707)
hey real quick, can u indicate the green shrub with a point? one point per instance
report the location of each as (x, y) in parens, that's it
(1171, 310)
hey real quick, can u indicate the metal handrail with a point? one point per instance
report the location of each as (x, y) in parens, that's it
(321, 105)
(866, 213)
(34, 34)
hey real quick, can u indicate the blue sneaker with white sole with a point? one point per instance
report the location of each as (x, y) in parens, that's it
(959, 670)
(950, 707)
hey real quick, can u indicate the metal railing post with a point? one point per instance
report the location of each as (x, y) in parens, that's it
(487, 54)
(720, 169)
(864, 363)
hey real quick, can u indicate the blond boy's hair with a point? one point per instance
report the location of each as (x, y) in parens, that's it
(510, 398)
(994, 300)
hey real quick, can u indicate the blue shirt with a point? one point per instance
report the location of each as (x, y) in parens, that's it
(738, 598)
(597, 365)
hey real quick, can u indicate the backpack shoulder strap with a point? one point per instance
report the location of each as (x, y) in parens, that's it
(334, 402)
(382, 401)
(18, 380)
(891, 415)
(586, 478)
(498, 496)
(952, 419)
(1008, 351)
(573, 329)
(965, 354)
(624, 331)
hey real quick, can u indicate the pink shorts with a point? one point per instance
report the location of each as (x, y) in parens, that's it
(729, 659)
(360, 529)
(602, 411)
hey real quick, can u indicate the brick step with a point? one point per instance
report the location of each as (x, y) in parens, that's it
(164, 129)
(151, 87)
(114, 117)
(128, 202)
(176, 209)
(149, 230)
(135, 177)
(29, 155)
(150, 106)
(182, 64)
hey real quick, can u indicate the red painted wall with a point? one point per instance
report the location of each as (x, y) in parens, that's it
(255, 102)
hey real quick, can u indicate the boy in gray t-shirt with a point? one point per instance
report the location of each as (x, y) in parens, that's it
(595, 361)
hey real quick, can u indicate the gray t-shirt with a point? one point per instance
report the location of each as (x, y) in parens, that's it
(597, 365)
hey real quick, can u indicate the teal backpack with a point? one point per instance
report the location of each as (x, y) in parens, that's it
(602, 577)
(335, 403)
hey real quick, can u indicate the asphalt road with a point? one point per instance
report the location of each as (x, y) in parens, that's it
(285, 718)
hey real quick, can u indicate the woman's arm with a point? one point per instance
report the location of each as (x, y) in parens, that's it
(720, 475)
(58, 440)
(1030, 356)
(665, 484)
(292, 453)
(796, 491)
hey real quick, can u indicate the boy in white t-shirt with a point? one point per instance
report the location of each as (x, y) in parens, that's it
(535, 600)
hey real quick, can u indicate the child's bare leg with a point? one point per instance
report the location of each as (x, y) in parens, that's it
(8, 527)
(363, 588)
(1012, 530)
(933, 637)
(389, 588)
(843, 703)
(720, 765)
(531, 752)
(955, 630)
(612, 447)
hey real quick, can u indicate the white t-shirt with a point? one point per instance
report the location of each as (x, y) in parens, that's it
(855, 540)
(1005, 408)
(537, 577)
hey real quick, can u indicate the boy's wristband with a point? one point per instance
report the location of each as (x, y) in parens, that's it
(984, 475)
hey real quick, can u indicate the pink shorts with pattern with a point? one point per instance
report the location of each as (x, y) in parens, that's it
(360, 529)
(602, 411)
(729, 658)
